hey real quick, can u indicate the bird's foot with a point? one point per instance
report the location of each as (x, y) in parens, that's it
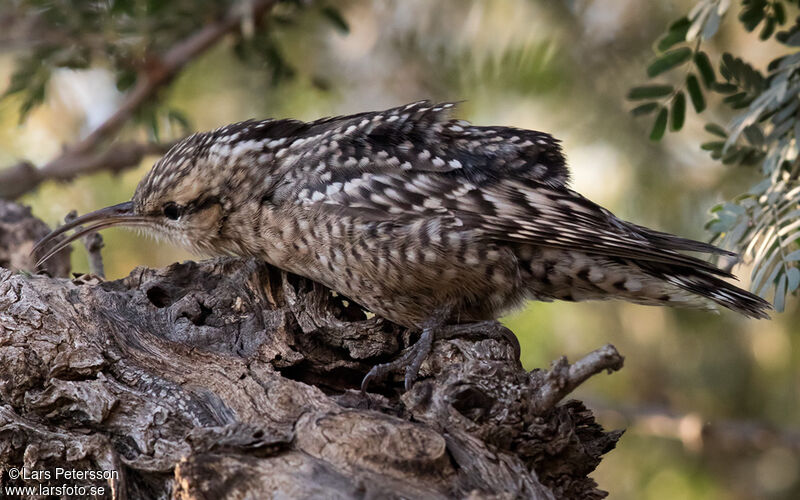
(413, 357)
(483, 329)
(411, 360)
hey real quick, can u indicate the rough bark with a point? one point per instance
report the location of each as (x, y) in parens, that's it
(19, 231)
(231, 379)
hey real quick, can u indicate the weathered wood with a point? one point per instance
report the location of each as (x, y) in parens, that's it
(19, 231)
(230, 379)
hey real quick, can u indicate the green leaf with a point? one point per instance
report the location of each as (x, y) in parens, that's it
(33, 98)
(793, 276)
(281, 69)
(715, 129)
(126, 79)
(751, 17)
(733, 155)
(678, 115)
(681, 25)
(783, 37)
(780, 12)
(659, 126)
(669, 40)
(240, 50)
(792, 256)
(645, 109)
(155, 130)
(780, 294)
(759, 282)
(713, 145)
(768, 29)
(319, 82)
(753, 157)
(728, 66)
(668, 61)
(30, 79)
(705, 68)
(695, 93)
(649, 92)
(180, 118)
(675, 34)
(754, 135)
(742, 103)
(335, 17)
(19, 82)
(724, 88)
(73, 58)
(122, 6)
(735, 98)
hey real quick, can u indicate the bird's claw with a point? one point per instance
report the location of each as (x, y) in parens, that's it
(411, 359)
(419, 352)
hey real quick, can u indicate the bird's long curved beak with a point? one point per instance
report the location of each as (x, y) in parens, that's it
(115, 215)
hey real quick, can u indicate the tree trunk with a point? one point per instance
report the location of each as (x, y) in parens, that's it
(228, 378)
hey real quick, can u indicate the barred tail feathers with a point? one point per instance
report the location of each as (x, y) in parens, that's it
(577, 276)
(719, 292)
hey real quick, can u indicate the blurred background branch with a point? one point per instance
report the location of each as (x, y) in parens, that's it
(698, 434)
(23, 177)
(156, 72)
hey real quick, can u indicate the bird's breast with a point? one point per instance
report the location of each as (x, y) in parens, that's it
(403, 271)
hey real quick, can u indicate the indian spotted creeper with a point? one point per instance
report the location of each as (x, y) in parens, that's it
(424, 220)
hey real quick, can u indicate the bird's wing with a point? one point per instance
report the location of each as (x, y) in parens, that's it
(505, 184)
(419, 137)
(505, 210)
(560, 217)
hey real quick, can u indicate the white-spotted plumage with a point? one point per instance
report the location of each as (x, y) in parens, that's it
(408, 211)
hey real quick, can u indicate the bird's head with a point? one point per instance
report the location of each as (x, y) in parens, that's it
(189, 194)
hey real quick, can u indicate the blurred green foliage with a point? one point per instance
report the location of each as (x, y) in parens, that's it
(564, 67)
(126, 36)
(763, 223)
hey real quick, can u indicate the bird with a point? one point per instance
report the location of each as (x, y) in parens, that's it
(425, 220)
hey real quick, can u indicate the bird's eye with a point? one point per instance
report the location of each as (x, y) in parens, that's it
(172, 210)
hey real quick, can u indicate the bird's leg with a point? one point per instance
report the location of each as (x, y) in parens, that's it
(412, 359)
(419, 352)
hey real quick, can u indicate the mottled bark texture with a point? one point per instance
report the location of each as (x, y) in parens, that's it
(230, 379)
(19, 231)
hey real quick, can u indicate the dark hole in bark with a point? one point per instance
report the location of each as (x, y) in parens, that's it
(472, 403)
(158, 297)
(333, 381)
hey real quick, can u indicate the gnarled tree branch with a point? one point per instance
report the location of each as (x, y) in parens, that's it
(229, 378)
